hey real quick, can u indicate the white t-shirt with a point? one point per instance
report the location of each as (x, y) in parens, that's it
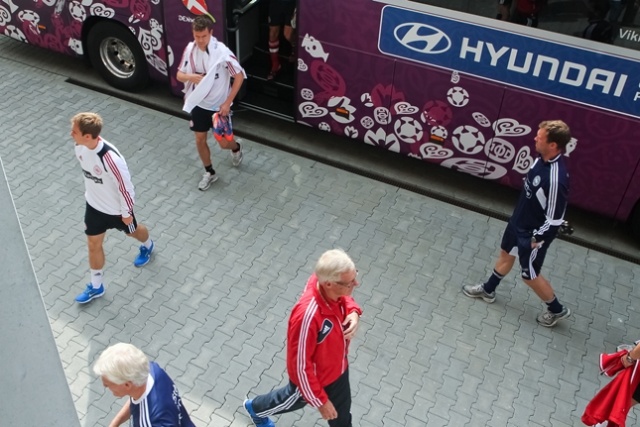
(108, 186)
(224, 70)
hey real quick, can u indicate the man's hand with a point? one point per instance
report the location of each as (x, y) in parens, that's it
(327, 411)
(535, 244)
(127, 220)
(225, 108)
(625, 360)
(196, 78)
(350, 325)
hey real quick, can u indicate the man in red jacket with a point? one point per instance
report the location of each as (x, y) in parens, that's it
(321, 325)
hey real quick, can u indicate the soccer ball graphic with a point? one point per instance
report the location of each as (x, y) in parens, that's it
(468, 139)
(324, 126)
(408, 129)
(77, 11)
(457, 96)
(28, 15)
(436, 113)
(439, 134)
(15, 33)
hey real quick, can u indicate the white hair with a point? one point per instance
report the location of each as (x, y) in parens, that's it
(121, 363)
(332, 264)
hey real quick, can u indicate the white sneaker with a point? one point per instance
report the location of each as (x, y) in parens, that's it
(477, 291)
(207, 180)
(236, 158)
(549, 319)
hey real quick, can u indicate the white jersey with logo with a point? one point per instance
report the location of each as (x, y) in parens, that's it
(108, 186)
(218, 64)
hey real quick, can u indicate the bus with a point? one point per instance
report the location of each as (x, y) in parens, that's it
(443, 81)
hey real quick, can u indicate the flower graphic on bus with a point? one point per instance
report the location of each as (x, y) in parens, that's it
(386, 96)
(383, 140)
(140, 11)
(198, 7)
(329, 79)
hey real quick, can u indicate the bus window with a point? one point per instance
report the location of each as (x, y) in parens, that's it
(606, 21)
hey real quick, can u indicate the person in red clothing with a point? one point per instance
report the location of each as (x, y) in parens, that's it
(321, 326)
(527, 12)
(282, 13)
(611, 405)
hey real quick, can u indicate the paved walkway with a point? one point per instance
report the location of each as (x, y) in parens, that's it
(212, 305)
(488, 198)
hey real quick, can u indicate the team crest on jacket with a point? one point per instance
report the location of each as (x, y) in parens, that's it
(327, 325)
(536, 180)
(97, 170)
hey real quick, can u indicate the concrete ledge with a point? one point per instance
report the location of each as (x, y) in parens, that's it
(34, 388)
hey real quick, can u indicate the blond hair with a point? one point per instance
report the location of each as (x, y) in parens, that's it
(88, 123)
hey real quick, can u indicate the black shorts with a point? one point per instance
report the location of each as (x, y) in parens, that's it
(96, 222)
(281, 12)
(201, 120)
(519, 244)
(636, 394)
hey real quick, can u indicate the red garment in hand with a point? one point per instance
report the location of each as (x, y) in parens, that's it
(530, 7)
(612, 402)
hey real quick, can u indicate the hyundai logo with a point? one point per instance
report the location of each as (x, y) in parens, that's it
(422, 38)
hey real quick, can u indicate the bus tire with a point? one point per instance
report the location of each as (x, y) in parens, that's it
(116, 54)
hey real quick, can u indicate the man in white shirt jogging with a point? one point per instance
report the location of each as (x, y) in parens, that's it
(110, 197)
(206, 69)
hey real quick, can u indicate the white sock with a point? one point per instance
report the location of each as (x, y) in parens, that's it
(96, 278)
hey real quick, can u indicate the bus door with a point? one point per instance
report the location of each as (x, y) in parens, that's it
(248, 37)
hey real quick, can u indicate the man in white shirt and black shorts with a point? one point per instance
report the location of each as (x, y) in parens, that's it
(109, 195)
(206, 69)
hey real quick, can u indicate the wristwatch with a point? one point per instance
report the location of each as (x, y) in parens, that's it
(629, 359)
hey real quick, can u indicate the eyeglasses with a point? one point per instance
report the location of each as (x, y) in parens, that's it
(351, 284)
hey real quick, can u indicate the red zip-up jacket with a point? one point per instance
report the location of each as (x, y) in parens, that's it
(612, 402)
(316, 347)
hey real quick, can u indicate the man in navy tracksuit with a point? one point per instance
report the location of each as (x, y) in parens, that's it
(534, 223)
(153, 398)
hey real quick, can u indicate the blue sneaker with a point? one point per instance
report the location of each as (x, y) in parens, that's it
(90, 293)
(258, 421)
(144, 256)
